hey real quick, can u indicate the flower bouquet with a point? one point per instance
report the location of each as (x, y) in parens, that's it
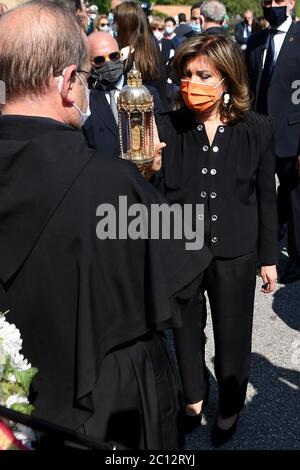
(16, 375)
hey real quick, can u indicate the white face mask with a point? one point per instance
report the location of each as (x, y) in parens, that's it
(106, 28)
(169, 30)
(83, 116)
(158, 34)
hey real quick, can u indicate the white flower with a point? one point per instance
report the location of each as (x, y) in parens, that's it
(10, 335)
(12, 399)
(24, 434)
(19, 362)
(11, 378)
(12, 362)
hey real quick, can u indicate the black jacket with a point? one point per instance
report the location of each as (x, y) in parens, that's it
(234, 179)
(101, 130)
(284, 113)
(73, 296)
(215, 30)
(239, 33)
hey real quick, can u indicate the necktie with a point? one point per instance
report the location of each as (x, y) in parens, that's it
(247, 32)
(113, 104)
(267, 73)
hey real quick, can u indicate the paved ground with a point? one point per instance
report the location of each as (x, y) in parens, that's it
(271, 418)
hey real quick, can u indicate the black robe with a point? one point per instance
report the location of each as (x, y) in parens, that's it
(76, 298)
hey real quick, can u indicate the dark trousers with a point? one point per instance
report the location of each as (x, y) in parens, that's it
(230, 286)
(289, 202)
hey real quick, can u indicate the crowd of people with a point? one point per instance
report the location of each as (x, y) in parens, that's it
(93, 313)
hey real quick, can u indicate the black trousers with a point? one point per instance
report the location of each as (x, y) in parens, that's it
(230, 286)
(289, 202)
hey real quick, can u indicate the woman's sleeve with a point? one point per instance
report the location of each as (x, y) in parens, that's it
(266, 195)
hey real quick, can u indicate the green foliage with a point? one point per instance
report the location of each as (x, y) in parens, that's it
(103, 5)
(23, 408)
(174, 2)
(237, 7)
(24, 378)
(234, 7)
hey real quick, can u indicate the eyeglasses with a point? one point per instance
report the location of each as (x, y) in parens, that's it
(103, 24)
(157, 29)
(100, 59)
(88, 73)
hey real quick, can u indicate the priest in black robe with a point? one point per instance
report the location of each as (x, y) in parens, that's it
(91, 311)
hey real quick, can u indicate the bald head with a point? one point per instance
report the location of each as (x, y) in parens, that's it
(248, 14)
(101, 43)
(114, 4)
(38, 40)
(3, 8)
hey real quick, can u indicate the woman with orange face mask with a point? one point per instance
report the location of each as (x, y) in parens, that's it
(220, 154)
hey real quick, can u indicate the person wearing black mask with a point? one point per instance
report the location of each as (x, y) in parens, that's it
(106, 81)
(273, 58)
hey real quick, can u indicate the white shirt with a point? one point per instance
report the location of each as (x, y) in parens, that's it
(118, 86)
(279, 38)
(248, 28)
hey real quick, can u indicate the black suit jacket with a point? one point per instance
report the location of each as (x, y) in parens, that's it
(239, 33)
(234, 178)
(101, 130)
(215, 30)
(284, 113)
(166, 46)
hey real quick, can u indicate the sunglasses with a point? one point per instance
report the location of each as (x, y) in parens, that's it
(103, 24)
(159, 29)
(100, 59)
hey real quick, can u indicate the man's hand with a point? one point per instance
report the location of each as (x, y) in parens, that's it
(269, 276)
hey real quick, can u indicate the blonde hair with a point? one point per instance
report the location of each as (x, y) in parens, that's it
(157, 22)
(225, 56)
(99, 20)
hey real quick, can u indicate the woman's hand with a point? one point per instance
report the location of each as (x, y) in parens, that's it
(156, 165)
(269, 276)
(158, 148)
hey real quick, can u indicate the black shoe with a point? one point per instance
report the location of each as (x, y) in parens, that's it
(192, 422)
(291, 274)
(220, 436)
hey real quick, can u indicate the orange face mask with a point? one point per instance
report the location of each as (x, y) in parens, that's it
(198, 96)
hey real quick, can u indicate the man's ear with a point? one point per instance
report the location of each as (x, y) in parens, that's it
(67, 84)
(202, 21)
(292, 4)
